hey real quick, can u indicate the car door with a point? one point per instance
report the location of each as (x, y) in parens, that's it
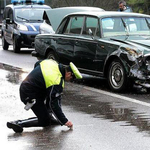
(8, 31)
(65, 48)
(86, 45)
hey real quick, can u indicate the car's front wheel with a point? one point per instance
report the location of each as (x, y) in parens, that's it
(51, 55)
(5, 45)
(16, 47)
(117, 78)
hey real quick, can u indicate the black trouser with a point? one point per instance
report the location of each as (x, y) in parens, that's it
(40, 110)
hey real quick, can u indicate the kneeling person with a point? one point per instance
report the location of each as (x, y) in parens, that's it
(44, 85)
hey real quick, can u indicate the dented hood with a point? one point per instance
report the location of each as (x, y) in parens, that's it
(145, 43)
(142, 43)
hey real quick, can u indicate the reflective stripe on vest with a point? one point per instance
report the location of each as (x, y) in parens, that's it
(51, 73)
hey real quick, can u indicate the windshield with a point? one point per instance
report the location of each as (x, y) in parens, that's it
(29, 14)
(125, 26)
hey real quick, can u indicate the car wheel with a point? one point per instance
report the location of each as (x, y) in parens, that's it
(16, 47)
(117, 78)
(5, 45)
(51, 55)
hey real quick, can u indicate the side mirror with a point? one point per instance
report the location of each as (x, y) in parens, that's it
(8, 21)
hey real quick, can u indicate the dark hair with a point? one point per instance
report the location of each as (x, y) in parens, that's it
(122, 2)
(68, 69)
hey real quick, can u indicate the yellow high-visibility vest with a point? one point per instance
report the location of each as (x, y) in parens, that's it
(51, 73)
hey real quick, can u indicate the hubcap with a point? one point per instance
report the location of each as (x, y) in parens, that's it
(117, 76)
(52, 57)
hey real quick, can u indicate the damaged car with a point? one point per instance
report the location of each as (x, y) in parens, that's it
(113, 45)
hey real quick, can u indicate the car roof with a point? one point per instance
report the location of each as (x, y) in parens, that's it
(78, 8)
(110, 14)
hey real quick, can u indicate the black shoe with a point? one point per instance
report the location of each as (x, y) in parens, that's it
(15, 126)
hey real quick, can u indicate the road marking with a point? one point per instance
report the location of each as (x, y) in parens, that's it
(119, 96)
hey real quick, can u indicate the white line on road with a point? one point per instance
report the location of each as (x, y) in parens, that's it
(119, 96)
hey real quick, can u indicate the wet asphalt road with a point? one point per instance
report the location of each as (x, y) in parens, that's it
(102, 120)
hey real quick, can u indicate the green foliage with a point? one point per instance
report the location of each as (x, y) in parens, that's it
(132, 2)
(48, 2)
(140, 6)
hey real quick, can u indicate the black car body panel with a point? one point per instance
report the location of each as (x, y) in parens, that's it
(120, 55)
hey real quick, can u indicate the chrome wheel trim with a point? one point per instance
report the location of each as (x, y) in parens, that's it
(116, 75)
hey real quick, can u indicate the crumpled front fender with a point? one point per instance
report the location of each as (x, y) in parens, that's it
(137, 65)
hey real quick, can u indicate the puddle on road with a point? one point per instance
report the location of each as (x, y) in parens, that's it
(106, 110)
(12, 74)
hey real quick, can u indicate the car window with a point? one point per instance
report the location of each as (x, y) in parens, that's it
(92, 24)
(124, 26)
(108, 23)
(148, 22)
(26, 14)
(75, 25)
(112, 27)
(61, 27)
(148, 19)
(68, 27)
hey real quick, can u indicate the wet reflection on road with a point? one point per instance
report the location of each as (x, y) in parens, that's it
(106, 110)
(13, 74)
(46, 138)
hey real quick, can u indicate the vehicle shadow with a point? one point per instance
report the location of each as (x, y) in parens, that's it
(46, 138)
(93, 81)
(22, 51)
(26, 51)
(102, 84)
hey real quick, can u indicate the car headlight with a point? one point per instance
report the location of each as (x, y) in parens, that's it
(22, 27)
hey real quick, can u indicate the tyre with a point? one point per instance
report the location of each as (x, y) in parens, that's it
(117, 78)
(5, 45)
(16, 47)
(51, 55)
